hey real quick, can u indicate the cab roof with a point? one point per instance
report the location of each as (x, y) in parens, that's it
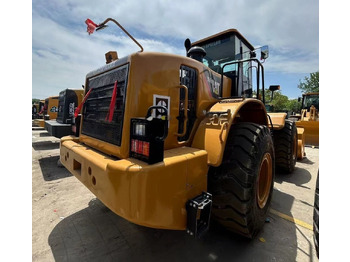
(224, 34)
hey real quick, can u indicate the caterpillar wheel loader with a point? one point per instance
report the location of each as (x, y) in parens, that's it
(48, 111)
(308, 119)
(170, 142)
(66, 123)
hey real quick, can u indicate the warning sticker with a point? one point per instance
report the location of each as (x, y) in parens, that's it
(159, 100)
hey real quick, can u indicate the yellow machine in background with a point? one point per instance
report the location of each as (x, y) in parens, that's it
(169, 141)
(309, 118)
(65, 123)
(48, 111)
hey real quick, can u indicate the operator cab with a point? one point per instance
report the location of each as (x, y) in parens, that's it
(310, 99)
(228, 53)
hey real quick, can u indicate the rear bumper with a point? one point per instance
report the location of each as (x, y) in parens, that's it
(57, 129)
(148, 195)
(39, 123)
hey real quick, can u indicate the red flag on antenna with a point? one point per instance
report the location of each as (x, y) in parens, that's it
(112, 104)
(90, 26)
(77, 110)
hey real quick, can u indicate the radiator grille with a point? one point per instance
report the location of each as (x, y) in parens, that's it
(67, 102)
(96, 107)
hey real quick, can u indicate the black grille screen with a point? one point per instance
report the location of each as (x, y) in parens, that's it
(96, 107)
(61, 102)
(67, 102)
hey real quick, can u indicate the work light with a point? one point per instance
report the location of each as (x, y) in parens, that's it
(147, 136)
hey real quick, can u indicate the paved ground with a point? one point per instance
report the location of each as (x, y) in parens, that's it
(70, 224)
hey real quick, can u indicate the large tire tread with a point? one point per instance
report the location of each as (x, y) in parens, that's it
(233, 183)
(285, 154)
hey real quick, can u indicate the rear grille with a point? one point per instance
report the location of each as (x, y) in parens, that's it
(96, 107)
(61, 105)
(67, 102)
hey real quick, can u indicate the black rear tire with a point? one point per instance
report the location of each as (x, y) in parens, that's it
(241, 191)
(286, 147)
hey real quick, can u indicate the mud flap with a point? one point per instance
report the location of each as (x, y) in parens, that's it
(198, 214)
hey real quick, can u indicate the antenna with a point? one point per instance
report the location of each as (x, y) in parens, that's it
(92, 26)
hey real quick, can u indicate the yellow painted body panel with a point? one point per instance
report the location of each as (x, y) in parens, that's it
(39, 123)
(278, 120)
(52, 107)
(80, 95)
(152, 74)
(213, 131)
(301, 143)
(148, 195)
(311, 132)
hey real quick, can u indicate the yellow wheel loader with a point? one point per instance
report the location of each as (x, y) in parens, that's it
(65, 123)
(171, 142)
(47, 111)
(308, 119)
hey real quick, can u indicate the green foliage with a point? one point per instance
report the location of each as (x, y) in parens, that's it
(293, 105)
(35, 101)
(310, 84)
(279, 101)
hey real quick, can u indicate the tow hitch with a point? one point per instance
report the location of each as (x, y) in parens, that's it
(198, 214)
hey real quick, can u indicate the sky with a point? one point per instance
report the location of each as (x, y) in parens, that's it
(63, 52)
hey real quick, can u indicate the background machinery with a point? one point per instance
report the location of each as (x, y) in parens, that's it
(48, 111)
(169, 142)
(308, 119)
(65, 123)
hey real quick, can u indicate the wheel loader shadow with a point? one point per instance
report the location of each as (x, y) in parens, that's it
(44, 134)
(45, 145)
(97, 234)
(51, 170)
(299, 177)
(280, 210)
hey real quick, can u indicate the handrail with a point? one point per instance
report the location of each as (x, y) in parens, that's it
(184, 131)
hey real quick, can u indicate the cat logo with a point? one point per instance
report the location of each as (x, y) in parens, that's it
(53, 109)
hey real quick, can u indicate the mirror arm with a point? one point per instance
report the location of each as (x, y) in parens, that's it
(126, 32)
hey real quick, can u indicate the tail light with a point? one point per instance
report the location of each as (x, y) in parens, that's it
(147, 136)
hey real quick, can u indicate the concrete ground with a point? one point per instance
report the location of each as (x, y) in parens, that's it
(70, 224)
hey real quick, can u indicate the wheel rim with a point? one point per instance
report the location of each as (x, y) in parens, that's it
(264, 180)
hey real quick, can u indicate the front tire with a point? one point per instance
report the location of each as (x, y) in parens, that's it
(242, 185)
(286, 147)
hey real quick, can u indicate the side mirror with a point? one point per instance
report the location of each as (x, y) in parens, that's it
(264, 52)
(299, 99)
(274, 88)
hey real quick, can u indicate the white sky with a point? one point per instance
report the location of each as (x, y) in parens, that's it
(63, 53)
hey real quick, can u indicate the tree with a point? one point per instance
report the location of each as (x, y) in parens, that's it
(310, 84)
(279, 102)
(35, 101)
(293, 105)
